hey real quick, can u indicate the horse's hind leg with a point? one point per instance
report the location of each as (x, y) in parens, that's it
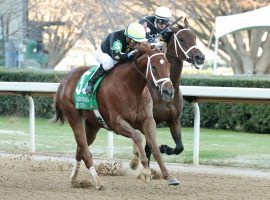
(91, 132)
(76, 166)
(77, 124)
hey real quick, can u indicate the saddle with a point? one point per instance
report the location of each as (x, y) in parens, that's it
(81, 99)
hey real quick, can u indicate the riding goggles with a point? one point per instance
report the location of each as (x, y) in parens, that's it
(133, 42)
(165, 22)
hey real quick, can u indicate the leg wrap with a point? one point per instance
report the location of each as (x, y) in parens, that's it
(75, 171)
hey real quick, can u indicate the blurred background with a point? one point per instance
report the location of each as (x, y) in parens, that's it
(52, 34)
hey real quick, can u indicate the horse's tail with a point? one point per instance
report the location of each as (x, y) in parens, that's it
(58, 117)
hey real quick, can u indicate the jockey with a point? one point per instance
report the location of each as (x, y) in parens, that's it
(158, 24)
(117, 46)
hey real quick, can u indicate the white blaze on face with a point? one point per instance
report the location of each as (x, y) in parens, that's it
(162, 61)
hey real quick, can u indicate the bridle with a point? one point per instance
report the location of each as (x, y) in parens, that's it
(176, 42)
(155, 82)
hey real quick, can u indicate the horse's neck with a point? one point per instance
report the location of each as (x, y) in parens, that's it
(176, 70)
(176, 64)
(133, 78)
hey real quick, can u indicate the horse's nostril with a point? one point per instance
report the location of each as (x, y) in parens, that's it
(199, 59)
(168, 93)
(165, 92)
(203, 58)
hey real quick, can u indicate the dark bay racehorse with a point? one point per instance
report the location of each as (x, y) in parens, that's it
(181, 46)
(124, 103)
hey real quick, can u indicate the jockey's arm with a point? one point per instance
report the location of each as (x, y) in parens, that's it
(142, 21)
(117, 55)
(145, 22)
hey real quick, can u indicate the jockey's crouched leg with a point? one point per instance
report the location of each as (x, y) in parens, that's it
(100, 71)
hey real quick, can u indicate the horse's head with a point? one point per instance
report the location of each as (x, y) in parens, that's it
(157, 69)
(183, 45)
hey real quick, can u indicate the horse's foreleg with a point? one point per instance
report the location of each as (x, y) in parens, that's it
(134, 163)
(148, 152)
(135, 159)
(124, 128)
(175, 128)
(146, 172)
(149, 129)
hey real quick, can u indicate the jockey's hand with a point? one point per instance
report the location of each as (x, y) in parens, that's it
(130, 54)
(147, 30)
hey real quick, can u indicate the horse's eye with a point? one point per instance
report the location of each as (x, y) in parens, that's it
(153, 68)
(181, 40)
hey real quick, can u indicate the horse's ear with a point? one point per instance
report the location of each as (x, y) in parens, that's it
(186, 23)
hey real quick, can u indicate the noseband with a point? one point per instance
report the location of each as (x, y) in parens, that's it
(176, 41)
(155, 82)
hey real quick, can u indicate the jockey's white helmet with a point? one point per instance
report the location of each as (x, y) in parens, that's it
(136, 32)
(163, 13)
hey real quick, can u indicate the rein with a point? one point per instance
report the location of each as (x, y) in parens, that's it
(155, 82)
(144, 77)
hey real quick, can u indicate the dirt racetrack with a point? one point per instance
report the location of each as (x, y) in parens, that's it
(22, 177)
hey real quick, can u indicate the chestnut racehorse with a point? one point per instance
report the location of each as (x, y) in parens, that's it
(181, 46)
(124, 103)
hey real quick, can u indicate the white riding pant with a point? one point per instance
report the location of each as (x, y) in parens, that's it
(105, 59)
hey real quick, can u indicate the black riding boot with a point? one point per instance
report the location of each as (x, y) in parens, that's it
(98, 73)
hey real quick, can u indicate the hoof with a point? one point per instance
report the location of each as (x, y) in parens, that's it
(163, 148)
(99, 187)
(134, 163)
(146, 179)
(145, 175)
(98, 184)
(173, 181)
(72, 180)
(155, 175)
(73, 177)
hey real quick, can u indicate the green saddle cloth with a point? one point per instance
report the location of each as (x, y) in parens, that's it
(83, 100)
